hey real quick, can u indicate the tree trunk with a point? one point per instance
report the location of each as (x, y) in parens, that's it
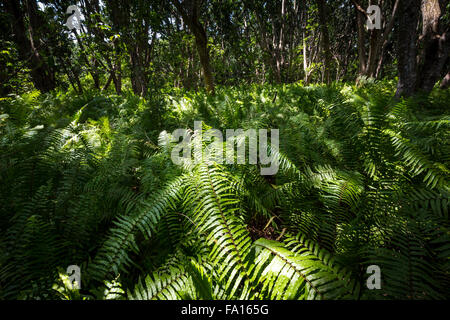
(305, 60)
(71, 75)
(446, 82)
(371, 65)
(189, 11)
(279, 49)
(91, 66)
(419, 73)
(409, 13)
(361, 18)
(138, 79)
(325, 39)
(436, 47)
(201, 42)
(29, 48)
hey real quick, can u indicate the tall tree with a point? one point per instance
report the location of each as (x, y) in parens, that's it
(370, 63)
(419, 70)
(190, 12)
(435, 44)
(325, 39)
(27, 26)
(407, 49)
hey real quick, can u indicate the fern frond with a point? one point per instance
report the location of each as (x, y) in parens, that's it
(288, 275)
(114, 254)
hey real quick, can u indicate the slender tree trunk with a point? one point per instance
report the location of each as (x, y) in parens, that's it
(201, 42)
(305, 60)
(374, 53)
(138, 79)
(91, 66)
(108, 82)
(371, 65)
(280, 48)
(76, 77)
(42, 74)
(325, 39)
(71, 75)
(361, 18)
(189, 11)
(29, 47)
(116, 66)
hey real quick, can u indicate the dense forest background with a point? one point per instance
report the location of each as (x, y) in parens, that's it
(91, 91)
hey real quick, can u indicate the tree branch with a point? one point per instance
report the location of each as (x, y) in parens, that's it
(360, 9)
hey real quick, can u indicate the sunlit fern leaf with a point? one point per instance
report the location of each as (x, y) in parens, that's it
(284, 274)
(201, 280)
(113, 256)
(436, 174)
(215, 214)
(301, 244)
(174, 285)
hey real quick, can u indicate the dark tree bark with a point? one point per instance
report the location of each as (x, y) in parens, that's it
(419, 71)
(28, 42)
(190, 11)
(138, 78)
(436, 46)
(409, 13)
(446, 81)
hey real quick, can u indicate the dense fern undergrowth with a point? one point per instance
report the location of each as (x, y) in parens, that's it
(88, 180)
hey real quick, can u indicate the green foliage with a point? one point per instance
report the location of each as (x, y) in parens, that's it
(363, 180)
